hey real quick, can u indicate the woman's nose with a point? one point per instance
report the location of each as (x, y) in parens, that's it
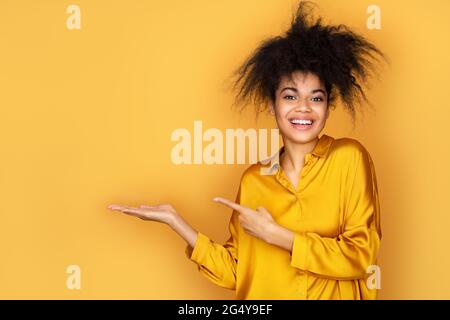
(303, 106)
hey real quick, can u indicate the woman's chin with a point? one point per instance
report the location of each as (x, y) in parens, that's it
(301, 137)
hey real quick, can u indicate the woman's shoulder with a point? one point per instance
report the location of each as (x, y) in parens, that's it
(349, 149)
(259, 170)
(350, 146)
(253, 170)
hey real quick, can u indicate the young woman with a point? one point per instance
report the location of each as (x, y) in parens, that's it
(309, 227)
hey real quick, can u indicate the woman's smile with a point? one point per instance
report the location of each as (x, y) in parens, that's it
(302, 123)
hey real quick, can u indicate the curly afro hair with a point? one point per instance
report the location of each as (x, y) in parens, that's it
(341, 59)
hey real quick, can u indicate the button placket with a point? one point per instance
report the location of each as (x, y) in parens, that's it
(300, 209)
(309, 162)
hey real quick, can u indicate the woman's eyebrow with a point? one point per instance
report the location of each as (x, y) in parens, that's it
(318, 90)
(295, 89)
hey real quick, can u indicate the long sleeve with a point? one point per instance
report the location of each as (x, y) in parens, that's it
(348, 255)
(215, 261)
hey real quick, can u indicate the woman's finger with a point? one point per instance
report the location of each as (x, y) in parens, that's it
(231, 204)
(235, 206)
(116, 207)
(143, 206)
(131, 210)
(125, 209)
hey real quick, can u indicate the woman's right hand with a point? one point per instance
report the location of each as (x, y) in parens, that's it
(164, 213)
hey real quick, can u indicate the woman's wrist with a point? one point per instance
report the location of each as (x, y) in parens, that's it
(172, 220)
(280, 236)
(184, 229)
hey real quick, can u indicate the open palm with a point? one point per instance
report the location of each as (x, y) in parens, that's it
(160, 213)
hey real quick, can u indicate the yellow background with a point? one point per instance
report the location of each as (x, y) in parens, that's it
(86, 119)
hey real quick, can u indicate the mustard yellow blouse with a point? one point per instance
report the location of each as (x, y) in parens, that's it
(335, 215)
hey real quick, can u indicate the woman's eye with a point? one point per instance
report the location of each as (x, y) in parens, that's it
(289, 97)
(320, 99)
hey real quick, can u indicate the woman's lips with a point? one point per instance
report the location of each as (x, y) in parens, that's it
(302, 127)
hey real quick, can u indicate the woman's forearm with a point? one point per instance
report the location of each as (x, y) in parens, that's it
(281, 237)
(278, 235)
(184, 229)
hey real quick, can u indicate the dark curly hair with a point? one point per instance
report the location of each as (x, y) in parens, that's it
(341, 59)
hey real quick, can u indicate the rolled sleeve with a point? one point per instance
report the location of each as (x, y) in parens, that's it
(299, 253)
(197, 253)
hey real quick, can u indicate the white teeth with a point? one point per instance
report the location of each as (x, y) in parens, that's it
(298, 121)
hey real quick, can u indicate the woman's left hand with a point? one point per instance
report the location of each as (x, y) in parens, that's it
(258, 223)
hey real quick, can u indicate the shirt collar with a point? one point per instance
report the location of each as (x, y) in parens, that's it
(320, 150)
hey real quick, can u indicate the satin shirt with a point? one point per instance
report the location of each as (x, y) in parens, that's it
(334, 214)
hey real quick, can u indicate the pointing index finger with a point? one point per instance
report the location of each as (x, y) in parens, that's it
(231, 204)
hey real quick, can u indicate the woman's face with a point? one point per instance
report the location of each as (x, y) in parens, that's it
(304, 99)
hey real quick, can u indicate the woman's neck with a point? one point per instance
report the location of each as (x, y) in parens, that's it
(293, 157)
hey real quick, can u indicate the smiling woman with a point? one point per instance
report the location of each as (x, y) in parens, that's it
(310, 229)
(340, 58)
